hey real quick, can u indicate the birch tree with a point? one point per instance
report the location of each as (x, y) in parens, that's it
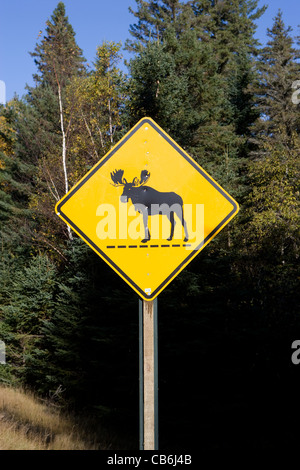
(97, 101)
(58, 59)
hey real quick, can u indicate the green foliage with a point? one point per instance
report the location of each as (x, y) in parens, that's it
(17, 173)
(156, 89)
(154, 19)
(272, 231)
(27, 300)
(97, 101)
(91, 331)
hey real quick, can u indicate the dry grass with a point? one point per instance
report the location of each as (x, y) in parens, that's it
(27, 424)
(13, 439)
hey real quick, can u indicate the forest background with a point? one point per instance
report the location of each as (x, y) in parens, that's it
(228, 321)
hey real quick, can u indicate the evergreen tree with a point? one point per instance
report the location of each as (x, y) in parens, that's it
(27, 301)
(272, 231)
(17, 177)
(156, 89)
(154, 19)
(242, 101)
(58, 59)
(230, 25)
(278, 69)
(57, 56)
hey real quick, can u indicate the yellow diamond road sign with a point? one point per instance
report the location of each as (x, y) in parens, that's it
(147, 208)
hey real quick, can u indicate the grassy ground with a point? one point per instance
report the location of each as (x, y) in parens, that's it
(28, 424)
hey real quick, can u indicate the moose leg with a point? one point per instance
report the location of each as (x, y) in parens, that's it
(147, 231)
(171, 218)
(181, 218)
(186, 235)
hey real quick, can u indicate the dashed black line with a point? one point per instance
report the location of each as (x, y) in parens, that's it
(149, 246)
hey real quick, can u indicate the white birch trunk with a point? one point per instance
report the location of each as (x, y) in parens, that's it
(110, 123)
(91, 136)
(64, 150)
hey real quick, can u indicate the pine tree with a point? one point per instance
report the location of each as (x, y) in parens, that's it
(230, 25)
(156, 89)
(154, 19)
(278, 70)
(17, 174)
(58, 59)
(272, 231)
(57, 56)
(27, 301)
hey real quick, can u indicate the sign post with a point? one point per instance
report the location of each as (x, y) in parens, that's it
(147, 209)
(148, 375)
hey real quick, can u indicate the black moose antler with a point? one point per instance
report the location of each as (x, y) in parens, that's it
(145, 175)
(117, 178)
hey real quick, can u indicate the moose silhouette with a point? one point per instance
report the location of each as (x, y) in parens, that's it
(149, 201)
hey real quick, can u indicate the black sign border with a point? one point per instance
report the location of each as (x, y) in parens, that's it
(98, 165)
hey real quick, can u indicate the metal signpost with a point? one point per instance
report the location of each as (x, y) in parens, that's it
(147, 209)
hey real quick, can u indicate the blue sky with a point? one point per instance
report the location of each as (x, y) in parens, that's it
(93, 21)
